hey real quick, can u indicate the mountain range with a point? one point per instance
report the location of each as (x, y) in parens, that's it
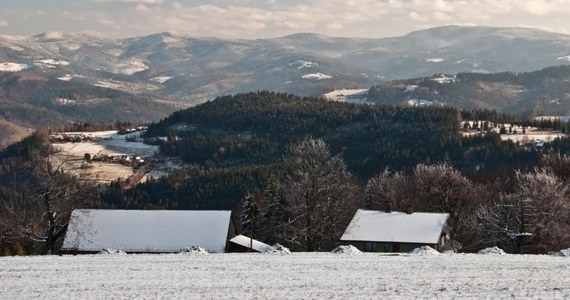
(182, 70)
(192, 70)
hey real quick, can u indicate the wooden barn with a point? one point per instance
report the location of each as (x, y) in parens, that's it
(379, 231)
(147, 231)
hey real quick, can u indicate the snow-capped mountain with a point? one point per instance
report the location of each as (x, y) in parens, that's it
(191, 70)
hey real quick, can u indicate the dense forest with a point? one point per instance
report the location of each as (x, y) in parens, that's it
(275, 150)
(533, 93)
(257, 128)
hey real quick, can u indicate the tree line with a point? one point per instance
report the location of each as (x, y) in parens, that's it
(307, 164)
(310, 207)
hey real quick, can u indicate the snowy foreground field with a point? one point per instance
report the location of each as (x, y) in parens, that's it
(294, 276)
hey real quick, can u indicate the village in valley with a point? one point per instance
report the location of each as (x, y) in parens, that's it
(106, 156)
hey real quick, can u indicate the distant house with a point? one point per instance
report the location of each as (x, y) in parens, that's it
(147, 231)
(242, 243)
(379, 231)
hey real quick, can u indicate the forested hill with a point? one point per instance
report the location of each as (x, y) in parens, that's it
(257, 128)
(534, 93)
(36, 100)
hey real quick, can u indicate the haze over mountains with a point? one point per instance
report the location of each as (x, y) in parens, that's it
(189, 70)
(192, 70)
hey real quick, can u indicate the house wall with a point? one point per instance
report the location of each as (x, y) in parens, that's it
(232, 231)
(236, 248)
(386, 246)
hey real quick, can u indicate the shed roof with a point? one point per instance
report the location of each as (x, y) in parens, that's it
(244, 241)
(380, 226)
(92, 230)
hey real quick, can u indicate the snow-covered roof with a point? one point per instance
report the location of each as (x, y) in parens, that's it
(379, 226)
(244, 241)
(146, 230)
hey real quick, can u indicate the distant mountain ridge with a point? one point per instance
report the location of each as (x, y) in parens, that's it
(529, 93)
(193, 70)
(147, 72)
(31, 100)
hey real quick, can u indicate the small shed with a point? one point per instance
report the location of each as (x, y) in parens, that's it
(380, 231)
(147, 231)
(242, 243)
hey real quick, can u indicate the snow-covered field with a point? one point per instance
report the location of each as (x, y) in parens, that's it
(12, 67)
(111, 144)
(348, 95)
(316, 76)
(294, 276)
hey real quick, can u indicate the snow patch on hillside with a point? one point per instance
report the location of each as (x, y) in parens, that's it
(66, 77)
(113, 52)
(110, 85)
(436, 60)
(481, 71)
(348, 95)
(161, 79)
(53, 35)
(16, 48)
(12, 67)
(14, 38)
(174, 42)
(300, 64)
(316, 76)
(71, 46)
(51, 63)
(130, 67)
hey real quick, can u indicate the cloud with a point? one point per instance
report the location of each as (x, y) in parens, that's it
(67, 15)
(3, 23)
(152, 2)
(271, 18)
(142, 8)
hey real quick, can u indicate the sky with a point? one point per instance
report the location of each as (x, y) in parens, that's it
(250, 19)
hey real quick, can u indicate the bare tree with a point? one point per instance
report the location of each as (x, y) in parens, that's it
(441, 188)
(42, 209)
(500, 223)
(548, 213)
(534, 218)
(387, 188)
(321, 197)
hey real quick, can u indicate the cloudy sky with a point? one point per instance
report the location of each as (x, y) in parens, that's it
(273, 18)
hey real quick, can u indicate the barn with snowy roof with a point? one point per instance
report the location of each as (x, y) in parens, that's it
(387, 231)
(147, 231)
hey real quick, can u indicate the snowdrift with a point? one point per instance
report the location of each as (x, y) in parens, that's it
(350, 249)
(194, 250)
(275, 249)
(563, 253)
(492, 251)
(109, 251)
(424, 250)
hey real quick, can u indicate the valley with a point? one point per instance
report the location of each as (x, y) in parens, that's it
(105, 156)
